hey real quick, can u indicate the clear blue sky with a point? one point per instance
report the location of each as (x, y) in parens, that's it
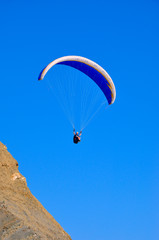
(106, 187)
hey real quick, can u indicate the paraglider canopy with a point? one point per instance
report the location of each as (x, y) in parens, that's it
(91, 69)
(81, 86)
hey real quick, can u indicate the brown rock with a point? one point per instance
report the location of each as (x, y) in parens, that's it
(21, 215)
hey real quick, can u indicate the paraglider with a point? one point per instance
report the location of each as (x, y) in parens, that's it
(101, 82)
(77, 136)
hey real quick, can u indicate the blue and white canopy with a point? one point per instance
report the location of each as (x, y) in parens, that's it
(91, 69)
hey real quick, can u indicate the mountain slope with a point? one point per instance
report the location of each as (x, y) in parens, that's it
(21, 215)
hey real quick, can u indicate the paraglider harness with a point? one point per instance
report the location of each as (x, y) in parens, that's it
(76, 137)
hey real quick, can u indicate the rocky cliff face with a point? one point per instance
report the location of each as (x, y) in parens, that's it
(21, 214)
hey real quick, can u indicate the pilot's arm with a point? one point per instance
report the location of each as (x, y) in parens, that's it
(80, 133)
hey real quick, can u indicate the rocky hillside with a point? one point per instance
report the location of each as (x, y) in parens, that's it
(22, 217)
